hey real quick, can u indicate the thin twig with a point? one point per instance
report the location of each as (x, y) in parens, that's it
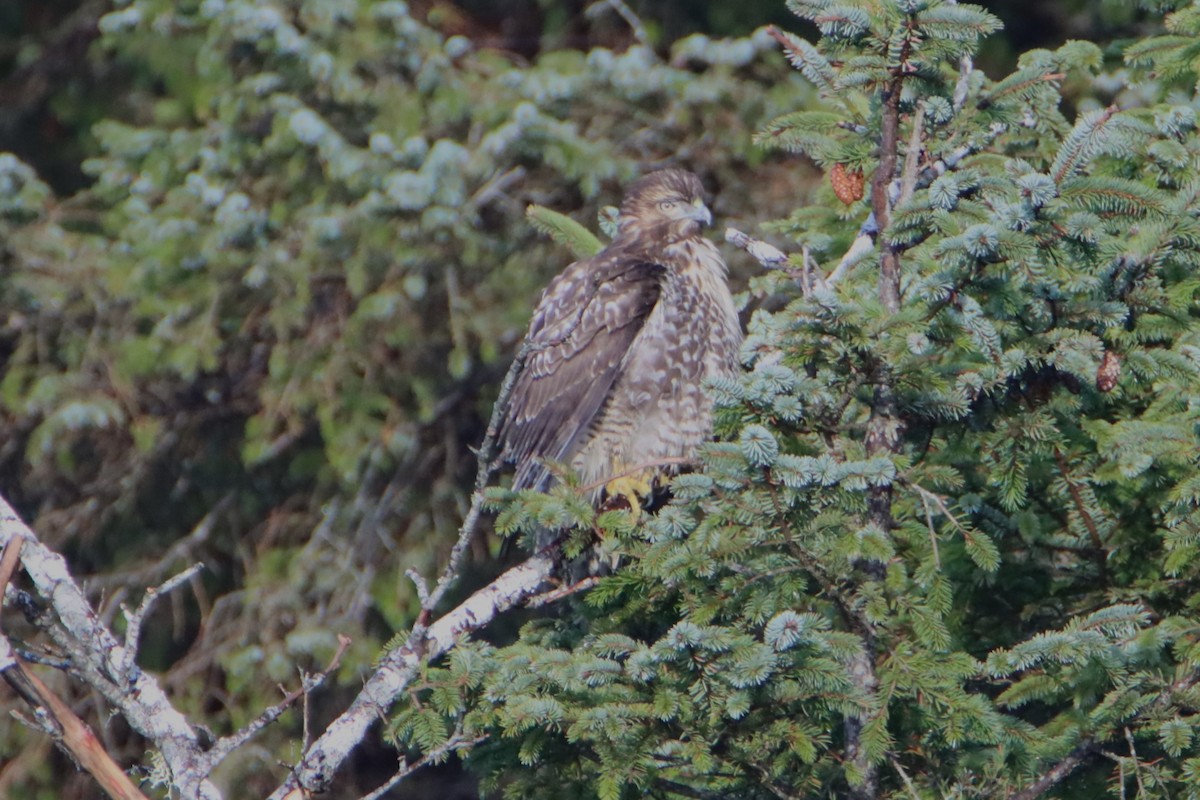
(674, 787)
(486, 456)
(496, 187)
(456, 742)
(771, 257)
(908, 784)
(912, 157)
(1077, 498)
(937, 559)
(1137, 772)
(134, 620)
(420, 584)
(308, 684)
(940, 502)
(963, 85)
(181, 550)
(1083, 752)
(810, 273)
(965, 67)
(927, 497)
(554, 595)
(626, 13)
(768, 781)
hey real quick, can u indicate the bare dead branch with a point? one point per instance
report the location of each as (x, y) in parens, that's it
(808, 276)
(765, 253)
(398, 668)
(420, 584)
(933, 542)
(862, 245)
(100, 660)
(1137, 769)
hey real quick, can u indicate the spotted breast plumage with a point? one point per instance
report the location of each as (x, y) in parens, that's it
(621, 347)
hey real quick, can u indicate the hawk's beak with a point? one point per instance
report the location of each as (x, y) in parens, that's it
(699, 212)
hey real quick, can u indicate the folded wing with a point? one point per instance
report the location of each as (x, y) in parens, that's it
(582, 330)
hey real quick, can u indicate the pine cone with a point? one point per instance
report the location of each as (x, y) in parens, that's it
(848, 186)
(1108, 372)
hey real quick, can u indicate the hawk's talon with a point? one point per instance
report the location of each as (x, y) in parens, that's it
(631, 489)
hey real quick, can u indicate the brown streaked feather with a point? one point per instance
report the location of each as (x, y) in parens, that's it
(582, 328)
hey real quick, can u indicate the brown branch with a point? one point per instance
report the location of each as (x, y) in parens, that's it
(881, 202)
(487, 460)
(883, 438)
(66, 729)
(1087, 750)
(908, 784)
(1077, 498)
(554, 595)
(1093, 530)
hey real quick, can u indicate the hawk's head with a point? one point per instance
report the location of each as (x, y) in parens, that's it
(668, 204)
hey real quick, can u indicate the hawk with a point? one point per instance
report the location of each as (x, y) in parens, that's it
(621, 346)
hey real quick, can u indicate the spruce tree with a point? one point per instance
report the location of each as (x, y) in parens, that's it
(945, 545)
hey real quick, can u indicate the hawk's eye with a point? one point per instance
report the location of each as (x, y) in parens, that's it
(667, 205)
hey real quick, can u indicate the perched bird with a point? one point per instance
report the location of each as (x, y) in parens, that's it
(622, 344)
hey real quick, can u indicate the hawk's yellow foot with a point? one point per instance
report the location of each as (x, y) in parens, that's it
(631, 489)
